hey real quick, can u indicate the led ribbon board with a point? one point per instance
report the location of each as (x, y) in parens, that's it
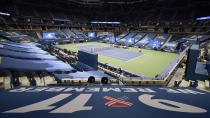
(99, 22)
(203, 18)
(104, 102)
(4, 14)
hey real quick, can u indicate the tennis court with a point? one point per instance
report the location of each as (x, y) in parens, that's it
(116, 53)
(149, 65)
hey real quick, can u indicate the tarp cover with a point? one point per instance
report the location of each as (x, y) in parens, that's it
(25, 55)
(82, 75)
(104, 102)
(7, 63)
(21, 49)
(24, 45)
(14, 36)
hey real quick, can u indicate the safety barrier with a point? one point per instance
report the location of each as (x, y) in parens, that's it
(131, 81)
(172, 66)
(124, 73)
(160, 80)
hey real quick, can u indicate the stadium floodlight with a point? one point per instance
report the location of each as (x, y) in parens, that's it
(203, 18)
(5, 14)
(99, 22)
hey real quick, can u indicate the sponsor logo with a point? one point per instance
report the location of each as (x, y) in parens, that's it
(119, 102)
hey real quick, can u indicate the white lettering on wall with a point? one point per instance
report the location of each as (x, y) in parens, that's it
(43, 105)
(74, 89)
(181, 107)
(111, 89)
(77, 104)
(129, 90)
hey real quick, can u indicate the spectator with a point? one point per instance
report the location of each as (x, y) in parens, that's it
(119, 70)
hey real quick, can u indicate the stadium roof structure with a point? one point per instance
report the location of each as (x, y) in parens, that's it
(125, 11)
(100, 2)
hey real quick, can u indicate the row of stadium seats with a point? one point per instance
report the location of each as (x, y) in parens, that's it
(165, 42)
(127, 38)
(117, 72)
(192, 83)
(104, 34)
(204, 52)
(79, 34)
(146, 39)
(59, 34)
(69, 33)
(63, 54)
(10, 79)
(158, 41)
(139, 36)
(121, 36)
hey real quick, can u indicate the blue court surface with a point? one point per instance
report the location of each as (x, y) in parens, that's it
(104, 102)
(116, 53)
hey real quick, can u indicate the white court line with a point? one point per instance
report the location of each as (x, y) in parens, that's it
(136, 57)
(121, 59)
(109, 55)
